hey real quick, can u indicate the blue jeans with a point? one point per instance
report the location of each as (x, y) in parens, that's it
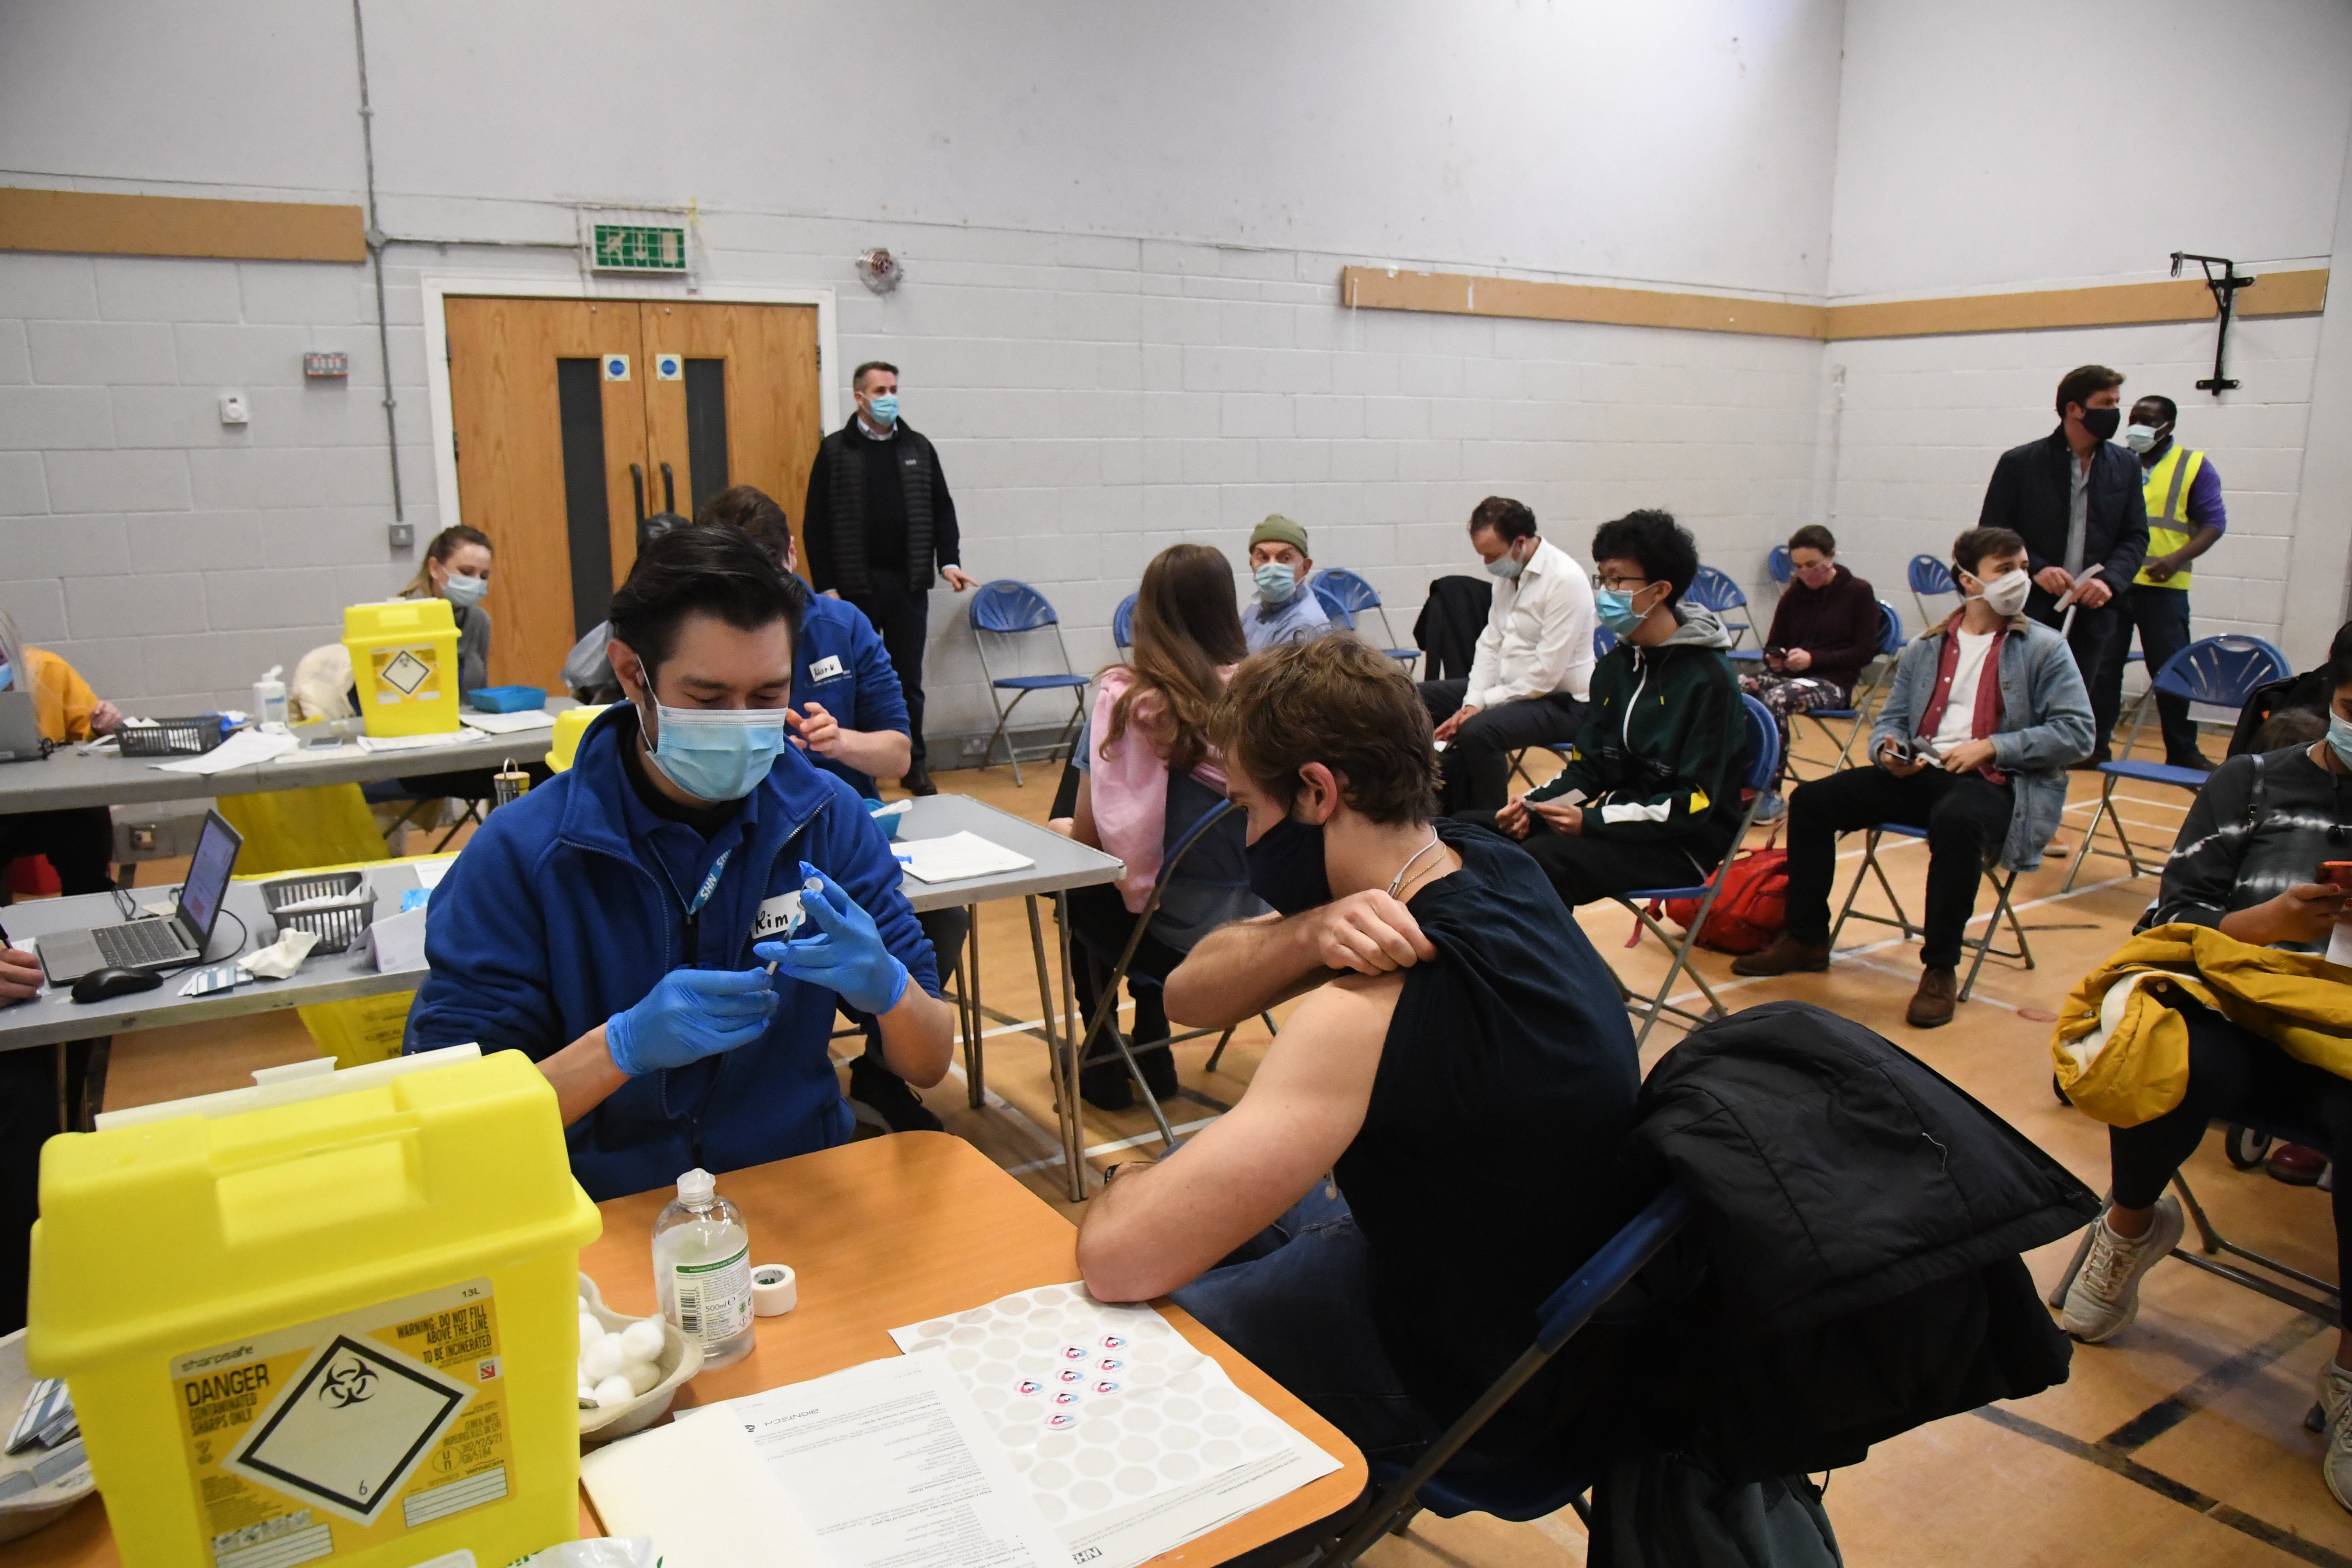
(1294, 1300)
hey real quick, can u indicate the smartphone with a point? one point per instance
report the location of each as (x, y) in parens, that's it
(2336, 871)
(1899, 750)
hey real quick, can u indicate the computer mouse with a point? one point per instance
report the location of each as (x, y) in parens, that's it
(104, 985)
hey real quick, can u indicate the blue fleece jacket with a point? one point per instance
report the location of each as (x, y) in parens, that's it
(840, 662)
(562, 912)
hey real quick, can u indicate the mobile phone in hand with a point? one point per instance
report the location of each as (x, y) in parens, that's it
(1898, 750)
(2339, 872)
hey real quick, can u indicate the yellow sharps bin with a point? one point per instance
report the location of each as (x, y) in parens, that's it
(330, 1319)
(404, 664)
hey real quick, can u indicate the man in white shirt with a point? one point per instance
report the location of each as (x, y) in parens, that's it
(1282, 607)
(1533, 665)
(1984, 716)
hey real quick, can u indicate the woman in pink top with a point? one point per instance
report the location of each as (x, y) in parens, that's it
(1148, 775)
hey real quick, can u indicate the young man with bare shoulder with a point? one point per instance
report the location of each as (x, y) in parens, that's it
(1419, 1160)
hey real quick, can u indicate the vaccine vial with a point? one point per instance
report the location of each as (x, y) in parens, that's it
(702, 1269)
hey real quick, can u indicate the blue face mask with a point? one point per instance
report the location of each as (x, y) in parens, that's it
(1615, 608)
(2339, 738)
(1505, 567)
(464, 592)
(717, 754)
(1275, 583)
(884, 409)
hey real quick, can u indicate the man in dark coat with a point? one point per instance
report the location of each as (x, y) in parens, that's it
(2076, 498)
(878, 523)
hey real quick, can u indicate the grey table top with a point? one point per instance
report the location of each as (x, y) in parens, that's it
(339, 977)
(68, 778)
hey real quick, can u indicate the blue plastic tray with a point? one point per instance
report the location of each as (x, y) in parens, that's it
(507, 699)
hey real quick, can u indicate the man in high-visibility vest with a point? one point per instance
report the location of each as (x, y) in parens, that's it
(2185, 516)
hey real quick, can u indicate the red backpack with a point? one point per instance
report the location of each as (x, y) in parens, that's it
(1750, 911)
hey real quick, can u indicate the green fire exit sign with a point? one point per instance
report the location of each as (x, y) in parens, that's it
(639, 248)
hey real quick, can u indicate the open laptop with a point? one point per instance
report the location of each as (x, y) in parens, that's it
(167, 944)
(20, 730)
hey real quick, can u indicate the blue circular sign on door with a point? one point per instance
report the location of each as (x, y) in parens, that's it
(617, 367)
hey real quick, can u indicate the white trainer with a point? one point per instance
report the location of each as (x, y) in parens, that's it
(2104, 1296)
(2335, 1391)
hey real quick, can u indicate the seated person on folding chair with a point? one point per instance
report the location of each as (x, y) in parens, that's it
(1528, 677)
(78, 840)
(2247, 864)
(1462, 1068)
(1283, 609)
(1825, 628)
(1651, 799)
(1146, 773)
(1979, 763)
(617, 924)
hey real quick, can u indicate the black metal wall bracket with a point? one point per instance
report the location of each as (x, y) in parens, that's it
(2224, 287)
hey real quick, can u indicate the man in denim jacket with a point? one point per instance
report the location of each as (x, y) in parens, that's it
(1985, 714)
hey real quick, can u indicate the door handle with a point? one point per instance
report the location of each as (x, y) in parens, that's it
(638, 483)
(670, 489)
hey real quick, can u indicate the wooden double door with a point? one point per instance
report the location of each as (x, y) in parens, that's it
(575, 419)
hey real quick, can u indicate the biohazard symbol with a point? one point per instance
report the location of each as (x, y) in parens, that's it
(347, 1382)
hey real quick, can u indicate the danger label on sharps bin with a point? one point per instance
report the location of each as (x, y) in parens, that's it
(403, 670)
(300, 1441)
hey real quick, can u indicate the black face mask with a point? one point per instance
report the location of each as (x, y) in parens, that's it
(1286, 867)
(2103, 423)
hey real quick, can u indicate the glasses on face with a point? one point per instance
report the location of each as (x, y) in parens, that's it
(1623, 584)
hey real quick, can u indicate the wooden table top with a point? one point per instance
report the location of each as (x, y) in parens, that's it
(882, 1233)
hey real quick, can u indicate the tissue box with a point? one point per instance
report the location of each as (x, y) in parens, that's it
(398, 941)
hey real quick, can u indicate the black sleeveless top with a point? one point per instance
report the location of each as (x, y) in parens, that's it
(1480, 1177)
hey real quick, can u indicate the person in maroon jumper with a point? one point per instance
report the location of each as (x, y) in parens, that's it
(1825, 629)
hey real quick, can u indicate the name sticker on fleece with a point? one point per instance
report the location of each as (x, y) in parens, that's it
(779, 917)
(826, 669)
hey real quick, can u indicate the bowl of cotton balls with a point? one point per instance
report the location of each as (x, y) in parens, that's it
(630, 1368)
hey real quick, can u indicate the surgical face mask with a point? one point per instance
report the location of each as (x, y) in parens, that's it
(1286, 867)
(464, 592)
(2143, 438)
(2005, 595)
(717, 754)
(1816, 576)
(1507, 565)
(2102, 422)
(1275, 583)
(2339, 738)
(1615, 608)
(884, 409)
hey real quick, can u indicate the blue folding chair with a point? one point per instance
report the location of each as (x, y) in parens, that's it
(1711, 590)
(2221, 671)
(1537, 1485)
(1122, 625)
(1890, 643)
(1778, 566)
(1344, 596)
(1763, 768)
(1008, 609)
(1930, 578)
(1983, 947)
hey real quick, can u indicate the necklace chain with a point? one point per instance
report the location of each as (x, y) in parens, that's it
(1416, 855)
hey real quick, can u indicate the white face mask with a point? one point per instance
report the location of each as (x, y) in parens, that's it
(2005, 595)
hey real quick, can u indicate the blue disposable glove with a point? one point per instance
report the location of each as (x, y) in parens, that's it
(692, 1013)
(848, 956)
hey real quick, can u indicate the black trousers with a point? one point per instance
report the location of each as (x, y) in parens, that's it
(1477, 761)
(1100, 927)
(1585, 870)
(2234, 1073)
(79, 842)
(902, 617)
(2100, 639)
(1967, 818)
(2161, 617)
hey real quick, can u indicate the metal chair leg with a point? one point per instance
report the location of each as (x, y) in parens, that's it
(975, 1044)
(1223, 1041)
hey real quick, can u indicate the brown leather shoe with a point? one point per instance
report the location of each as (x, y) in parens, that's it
(1787, 955)
(1932, 1004)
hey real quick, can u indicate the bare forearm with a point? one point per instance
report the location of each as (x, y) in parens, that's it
(885, 753)
(1241, 970)
(1133, 1245)
(583, 1075)
(918, 1038)
(2204, 540)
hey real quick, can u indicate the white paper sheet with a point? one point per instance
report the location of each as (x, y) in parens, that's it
(432, 743)
(957, 856)
(2339, 945)
(241, 750)
(1132, 1441)
(430, 872)
(507, 723)
(698, 1487)
(890, 1466)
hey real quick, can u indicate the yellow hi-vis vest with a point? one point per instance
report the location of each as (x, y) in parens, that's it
(2166, 487)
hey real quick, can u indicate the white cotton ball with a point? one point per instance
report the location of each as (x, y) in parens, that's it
(614, 1391)
(591, 1331)
(601, 1360)
(642, 1376)
(641, 1340)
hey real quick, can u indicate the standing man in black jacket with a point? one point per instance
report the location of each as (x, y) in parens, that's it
(2076, 498)
(878, 521)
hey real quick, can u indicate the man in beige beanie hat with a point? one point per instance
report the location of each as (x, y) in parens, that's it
(1283, 609)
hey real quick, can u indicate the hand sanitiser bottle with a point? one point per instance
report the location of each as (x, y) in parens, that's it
(702, 1269)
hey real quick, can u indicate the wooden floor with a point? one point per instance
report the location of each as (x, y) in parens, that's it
(2179, 1443)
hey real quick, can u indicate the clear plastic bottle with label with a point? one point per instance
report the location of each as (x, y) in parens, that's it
(702, 1269)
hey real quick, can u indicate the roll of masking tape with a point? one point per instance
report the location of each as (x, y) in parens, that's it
(775, 1290)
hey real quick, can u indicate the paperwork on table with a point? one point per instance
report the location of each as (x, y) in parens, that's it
(241, 750)
(507, 723)
(957, 856)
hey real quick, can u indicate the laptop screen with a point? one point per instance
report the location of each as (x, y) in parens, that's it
(208, 873)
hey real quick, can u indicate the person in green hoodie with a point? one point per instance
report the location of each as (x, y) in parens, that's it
(1651, 798)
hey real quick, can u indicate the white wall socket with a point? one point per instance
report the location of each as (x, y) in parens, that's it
(233, 409)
